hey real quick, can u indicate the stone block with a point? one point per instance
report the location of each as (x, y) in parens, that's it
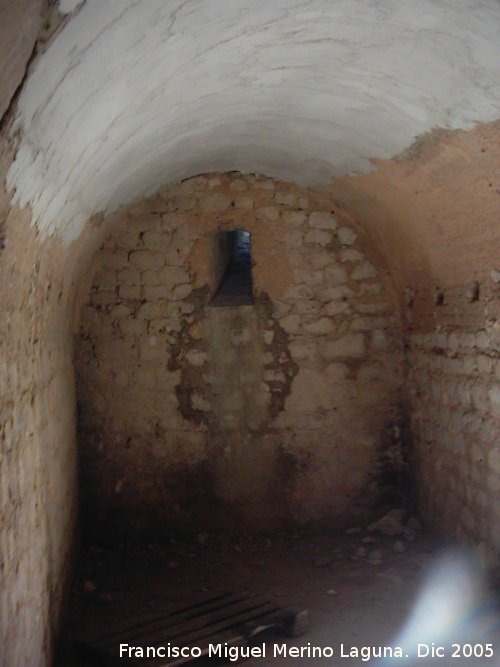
(351, 345)
(346, 236)
(122, 379)
(198, 402)
(293, 218)
(267, 213)
(302, 349)
(335, 275)
(373, 308)
(369, 323)
(180, 292)
(115, 260)
(308, 308)
(286, 198)
(293, 239)
(264, 184)
(103, 298)
(214, 182)
(311, 392)
(217, 202)
(127, 240)
(323, 220)
(290, 323)
(470, 365)
(350, 255)
(298, 292)
(379, 340)
(129, 276)
(485, 365)
(310, 278)
(155, 292)
(151, 310)
(105, 279)
(274, 375)
(494, 459)
(371, 373)
(320, 327)
(120, 312)
(197, 330)
(494, 396)
(238, 185)
(176, 253)
(268, 337)
(245, 202)
(281, 308)
(335, 308)
(146, 377)
(113, 350)
(196, 357)
(152, 277)
(318, 237)
(371, 288)
(149, 347)
(337, 372)
(174, 275)
(493, 483)
(155, 240)
(495, 275)
(129, 292)
(160, 325)
(132, 327)
(332, 293)
(364, 271)
(146, 260)
(321, 259)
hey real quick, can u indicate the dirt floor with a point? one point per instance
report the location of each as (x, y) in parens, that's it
(359, 589)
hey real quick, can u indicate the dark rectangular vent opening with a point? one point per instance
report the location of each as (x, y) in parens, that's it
(235, 288)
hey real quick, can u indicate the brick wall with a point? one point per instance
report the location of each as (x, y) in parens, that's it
(454, 384)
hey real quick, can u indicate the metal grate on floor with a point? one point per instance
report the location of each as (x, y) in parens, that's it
(221, 619)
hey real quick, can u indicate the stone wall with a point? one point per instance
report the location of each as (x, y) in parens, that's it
(195, 416)
(455, 398)
(38, 479)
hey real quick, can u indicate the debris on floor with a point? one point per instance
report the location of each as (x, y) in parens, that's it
(357, 600)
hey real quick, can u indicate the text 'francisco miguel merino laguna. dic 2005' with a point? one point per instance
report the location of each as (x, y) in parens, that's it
(234, 653)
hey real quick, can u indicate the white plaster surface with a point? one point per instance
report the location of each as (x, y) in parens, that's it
(135, 93)
(68, 6)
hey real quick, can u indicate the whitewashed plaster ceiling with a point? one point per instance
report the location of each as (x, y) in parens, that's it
(135, 93)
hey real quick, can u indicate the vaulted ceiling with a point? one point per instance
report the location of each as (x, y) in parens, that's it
(131, 94)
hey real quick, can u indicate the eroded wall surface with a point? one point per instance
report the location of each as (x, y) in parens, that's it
(455, 395)
(196, 416)
(38, 478)
(434, 213)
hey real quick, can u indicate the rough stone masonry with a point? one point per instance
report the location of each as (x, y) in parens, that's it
(246, 416)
